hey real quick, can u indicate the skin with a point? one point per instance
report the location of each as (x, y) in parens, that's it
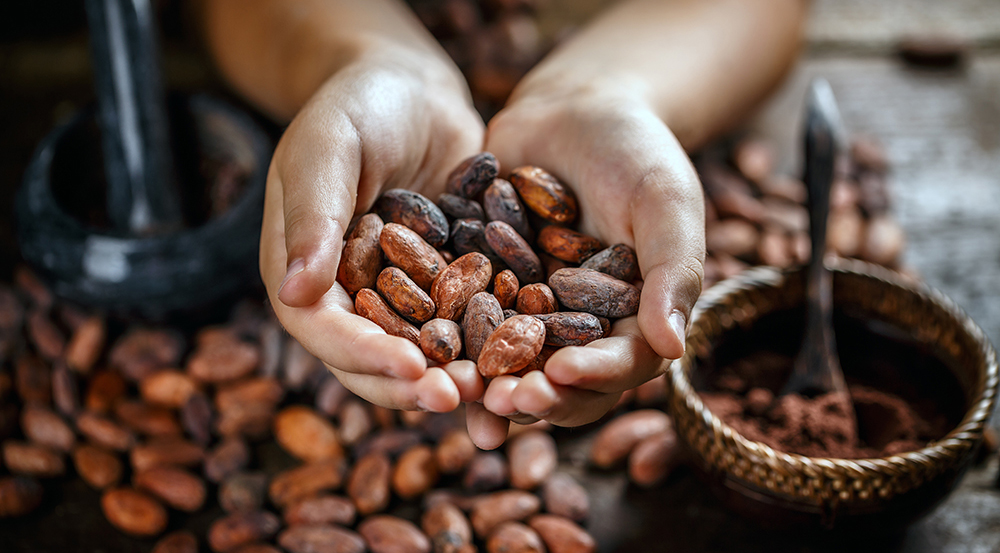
(375, 103)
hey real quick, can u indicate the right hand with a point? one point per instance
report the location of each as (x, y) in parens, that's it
(387, 121)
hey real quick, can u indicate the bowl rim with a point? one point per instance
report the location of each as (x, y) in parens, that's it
(823, 481)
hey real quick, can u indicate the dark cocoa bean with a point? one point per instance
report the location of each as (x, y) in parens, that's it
(482, 316)
(514, 251)
(143, 351)
(231, 455)
(243, 491)
(196, 418)
(544, 194)
(594, 292)
(571, 329)
(618, 261)
(414, 211)
(502, 204)
(565, 497)
(473, 175)
(458, 207)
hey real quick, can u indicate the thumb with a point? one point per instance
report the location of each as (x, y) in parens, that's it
(319, 171)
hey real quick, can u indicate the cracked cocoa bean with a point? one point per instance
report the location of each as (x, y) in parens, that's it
(511, 346)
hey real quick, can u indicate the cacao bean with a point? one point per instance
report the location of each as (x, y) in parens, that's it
(148, 420)
(223, 360)
(355, 421)
(408, 299)
(142, 351)
(502, 204)
(735, 237)
(482, 317)
(103, 391)
(254, 390)
(306, 435)
(503, 506)
(415, 212)
(562, 535)
(619, 436)
(65, 392)
(32, 459)
(181, 541)
(368, 484)
(487, 471)
(32, 380)
(104, 432)
(654, 458)
(454, 451)
(544, 194)
(175, 487)
(505, 288)
(237, 529)
(231, 455)
(369, 305)
(46, 428)
(86, 344)
(565, 497)
(458, 207)
(361, 259)
(594, 292)
(446, 526)
(196, 418)
(323, 509)
(536, 299)
(511, 346)
(97, 466)
(166, 452)
(514, 537)
(441, 340)
(457, 283)
(134, 512)
(533, 458)
(411, 253)
(389, 534)
(571, 329)
(618, 261)
(324, 538)
(168, 388)
(567, 244)
(416, 472)
(473, 175)
(48, 340)
(305, 481)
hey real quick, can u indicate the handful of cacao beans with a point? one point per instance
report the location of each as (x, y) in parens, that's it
(462, 278)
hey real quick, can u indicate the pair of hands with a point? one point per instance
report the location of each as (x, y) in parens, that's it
(400, 121)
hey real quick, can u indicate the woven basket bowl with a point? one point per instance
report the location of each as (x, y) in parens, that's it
(788, 490)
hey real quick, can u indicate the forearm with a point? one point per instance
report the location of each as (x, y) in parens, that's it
(277, 53)
(699, 64)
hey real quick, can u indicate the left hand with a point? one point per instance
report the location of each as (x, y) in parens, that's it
(635, 185)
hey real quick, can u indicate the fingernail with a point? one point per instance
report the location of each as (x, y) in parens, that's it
(294, 268)
(678, 323)
(421, 405)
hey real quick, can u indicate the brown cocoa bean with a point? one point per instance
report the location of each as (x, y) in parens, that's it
(306, 435)
(774, 248)
(473, 175)
(511, 346)
(169, 388)
(230, 532)
(754, 158)
(355, 421)
(32, 459)
(457, 283)
(415, 472)
(454, 451)
(441, 340)
(538, 363)
(243, 491)
(166, 452)
(250, 420)
(447, 527)
(388, 442)
(19, 495)
(505, 288)
(196, 418)
(730, 194)
(735, 237)
(654, 458)
(223, 360)
(502, 204)
(594, 292)
(619, 436)
(97, 466)
(411, 253)
(536, 299)
(458, 207)
(65, 392)
(104, 432)
(253, 390)
(32, 380)
(571, 329)
(324, 509)
(567, 244)
(32, 287)
(181, 541)
(468, 236)
(142, 351)
(845, 232)
(785, 215)
(389, 534)
(361, 259)
(408, 299)
(482, 316)
(230, 456)
(103, 391)
(175, 487)
(134, 512)
(508, 313)
(618, 261)
(884, 241)
(514, 537)
(48, 340)
(257, 548)
(148, 420)
(368, 484)
(562, 535)
(414, 211)
(305, 481)
(565, 497)
(785, 187)
(487, 471)
(44, 427)
(86, 344)
(544, 194)
(533, 458)
(498, 507)
(370, 305)
(330, 396)
(323, 538)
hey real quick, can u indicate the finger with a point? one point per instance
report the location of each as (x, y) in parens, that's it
(497, 397)
(487, 430)
(434, 391)
(560, 405)
(466, 378)
(668, 222)
(319, 179)
(620, 362)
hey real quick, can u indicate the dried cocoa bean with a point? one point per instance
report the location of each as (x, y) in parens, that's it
(619, 436)
(468, 236)
(330, 396)
(355, 421)
(223, 360)
(785, 215)
(411, 253)
(166, 452)
(32, 459)
(441, 340)
(505, 288)
(196, 418)
(458, 207)
(845, 231)
(502, 204)
(148, 420)
(654, 458)
(562, 535)
(65, 392)
(134, 512)
(785, 187)
(594, 292)
(103, 391)
(307, 480)
(389, 534)
(536, 299)
(415, 472)
(735, 237)
(250, 420)
(48, 340)
(46, 428)
(175, 487)
(408, 299)
(104, 432)
(571, 329)
(181, 541)
(324, 509)
(514, 537)
(243, 491)
(774, 248)
(447, 527)
(19, 495)
(254, 390)
(618, 261)
(97, 466)
(511, 346)
(415, 212)
(482, 316)
(32, 380)
(361, 259)
(257, 548)
(508, 313)
(487, 471)
(565, 497)
(567, 244)
(369, 305)
(167, 388)
(455, 286)
(320, 539)
(368, 484)
(388, 442)
(228, 533)
(533, 458)
(473, 175)
(231, 455)
(86, 344)
(754, 158)
(305, 434)
(544, 194)
(454, 451)
(730, 194)
(884, 241)
(142, 351)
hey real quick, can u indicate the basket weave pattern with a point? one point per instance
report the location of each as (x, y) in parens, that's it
(821, 482)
